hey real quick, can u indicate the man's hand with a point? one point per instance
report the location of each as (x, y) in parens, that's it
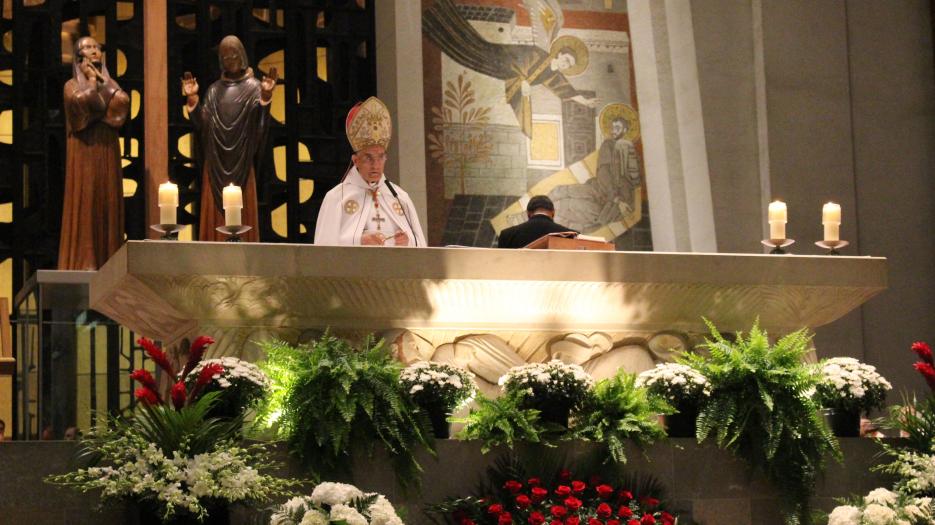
(87, 69)
(372, 239)
(267, 85)
(401, 239)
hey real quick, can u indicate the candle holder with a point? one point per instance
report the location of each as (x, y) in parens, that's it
(170, 232)
(832, 246)
(234, 231)
(777, 245)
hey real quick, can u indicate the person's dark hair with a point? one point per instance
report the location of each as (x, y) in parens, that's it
(539, 202)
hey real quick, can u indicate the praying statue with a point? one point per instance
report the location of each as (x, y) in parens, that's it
(232, 122)
(92, 212)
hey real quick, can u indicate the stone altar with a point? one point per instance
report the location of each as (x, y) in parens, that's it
(486, 309)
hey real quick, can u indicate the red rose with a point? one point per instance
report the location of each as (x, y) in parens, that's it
(565, 475)
(513, 486)
(633, 522)
(178, 394)
(534, 482)
(604, 510)
(594, 480)
(573, 520)
(624, 512)
(625, 495)
(146, 396)
(495, 509)
(924, 351)
(558, 511)
(505, 519)
(647, 519)
(523, 501)
(595, 521)
(539, 493)
(578, 486)
(555, 522)
(563, 490)
(613, 522)
(604, 491)
(536, 518)
(572, 503)
(667, 519)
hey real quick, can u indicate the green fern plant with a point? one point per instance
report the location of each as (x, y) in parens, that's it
(617, 411)
(916, 419)
(331, 400)
(762, 409)
(502, 421)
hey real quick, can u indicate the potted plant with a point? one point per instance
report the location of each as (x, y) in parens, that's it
(439, 389)
(848, 388)
(170, 458)
(339, 504)
(682, 387)
(241, 385)
(882, 506)
(553, 388)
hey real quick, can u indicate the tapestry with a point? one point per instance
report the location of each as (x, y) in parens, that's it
(531, 97)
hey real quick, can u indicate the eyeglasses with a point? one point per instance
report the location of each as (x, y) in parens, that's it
(372, 159)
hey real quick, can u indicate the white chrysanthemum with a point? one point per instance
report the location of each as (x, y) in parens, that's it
(330, 493)
(383, 513)
(845, 515)
(881, 496)
(348, 514)
(875, 514)
(314, 517)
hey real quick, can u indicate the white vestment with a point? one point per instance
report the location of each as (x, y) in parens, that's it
(347, 211)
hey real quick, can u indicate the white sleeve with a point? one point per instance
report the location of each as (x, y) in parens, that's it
(328, 225)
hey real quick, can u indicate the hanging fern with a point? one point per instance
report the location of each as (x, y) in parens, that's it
(330, 400)
(762, 409)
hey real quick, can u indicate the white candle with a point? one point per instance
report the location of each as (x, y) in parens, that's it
(831, 220)
(232, 216)
(168, 195)
(777, 212)
(233, 197)
(777, 230)
(167, 214)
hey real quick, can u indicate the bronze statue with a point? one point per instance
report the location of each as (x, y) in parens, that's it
(92, 212)
(232, 121)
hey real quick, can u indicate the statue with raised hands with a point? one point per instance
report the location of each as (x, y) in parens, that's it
(232, 121)
(92, 211)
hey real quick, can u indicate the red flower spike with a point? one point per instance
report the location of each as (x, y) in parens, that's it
(604, 491)
(578, 486)
(604, 511)
(496, 509)
(558, 511)
(513, 486)
(178, 395)
(563, 490)
(647, 519)
(505, 519)
(146, 396)
(595, 521)
(523, 501)
(573, 520)
(927, 371)
(572, 503)
(196, 352)
(536, 518)
(624, 512)
(145, 378)
(667, 519)
(534, 482)
(157, 355)
(208, 372)
(539, 493)
(924, 351)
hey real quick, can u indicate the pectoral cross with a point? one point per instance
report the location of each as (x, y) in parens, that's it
(377, 218)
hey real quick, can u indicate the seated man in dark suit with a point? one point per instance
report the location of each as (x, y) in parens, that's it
(540, 211)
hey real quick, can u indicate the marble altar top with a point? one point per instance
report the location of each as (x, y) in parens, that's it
(167, 290)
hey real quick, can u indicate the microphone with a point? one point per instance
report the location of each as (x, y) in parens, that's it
(406, 215)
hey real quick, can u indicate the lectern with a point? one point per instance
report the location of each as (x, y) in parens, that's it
(566, 241)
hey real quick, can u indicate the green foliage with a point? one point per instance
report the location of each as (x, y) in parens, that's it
(617, 410)
(502, 421)
(916, 419)
(762, 409)
(335, 399)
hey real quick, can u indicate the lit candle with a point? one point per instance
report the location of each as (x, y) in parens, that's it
(168, 203)
(233, 204)
(777, 220)
(831, 220)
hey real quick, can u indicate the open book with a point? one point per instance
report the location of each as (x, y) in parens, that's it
(573, 235)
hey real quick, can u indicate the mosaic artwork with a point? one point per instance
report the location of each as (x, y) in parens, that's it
(530, 97)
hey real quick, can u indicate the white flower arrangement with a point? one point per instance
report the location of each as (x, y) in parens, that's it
(916, 471)
(884, 507)
(553, 382)
(441, 385)
(241, 383)
(848, 384)
(678, 384)
(336, 503)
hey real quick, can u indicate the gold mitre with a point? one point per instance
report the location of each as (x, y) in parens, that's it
(369, 124)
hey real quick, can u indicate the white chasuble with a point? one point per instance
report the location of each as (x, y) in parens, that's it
(350, 209)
